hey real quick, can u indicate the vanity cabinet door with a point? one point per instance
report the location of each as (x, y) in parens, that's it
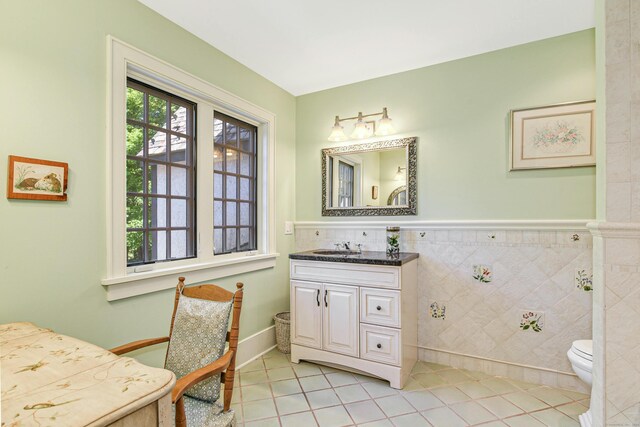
(306, 307)
(340, 319)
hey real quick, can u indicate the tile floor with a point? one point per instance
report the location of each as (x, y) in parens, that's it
(272, 391)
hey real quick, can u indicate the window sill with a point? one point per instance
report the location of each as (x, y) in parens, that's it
(152, 281)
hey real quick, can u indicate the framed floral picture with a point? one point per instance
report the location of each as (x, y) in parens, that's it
(556, 136)
(37, 179)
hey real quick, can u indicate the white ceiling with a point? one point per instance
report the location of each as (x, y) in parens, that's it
(305, 46)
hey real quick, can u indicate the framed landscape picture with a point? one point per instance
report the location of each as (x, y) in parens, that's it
(37, 179)
(557, 136)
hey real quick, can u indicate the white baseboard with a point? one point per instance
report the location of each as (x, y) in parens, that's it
(526, 373)
(255, 346)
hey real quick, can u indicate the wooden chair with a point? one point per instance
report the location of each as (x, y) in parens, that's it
(225, 365)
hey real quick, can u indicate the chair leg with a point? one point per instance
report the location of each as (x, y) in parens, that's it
(181, 418)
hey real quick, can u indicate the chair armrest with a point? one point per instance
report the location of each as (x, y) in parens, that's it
(126, 348)
(201, 374)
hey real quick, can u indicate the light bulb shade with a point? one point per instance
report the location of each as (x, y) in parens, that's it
(361, 130)
(399, 175)
(337, 134)
(384, 127)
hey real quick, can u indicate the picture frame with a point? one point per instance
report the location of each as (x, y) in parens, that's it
(37, 179)
(554, 136)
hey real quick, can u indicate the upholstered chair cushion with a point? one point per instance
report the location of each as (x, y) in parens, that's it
(204, 414)
(198, 338)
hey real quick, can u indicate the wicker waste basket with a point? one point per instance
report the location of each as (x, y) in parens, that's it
(283, 332)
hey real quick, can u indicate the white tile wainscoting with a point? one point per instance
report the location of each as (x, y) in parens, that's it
(477, 323)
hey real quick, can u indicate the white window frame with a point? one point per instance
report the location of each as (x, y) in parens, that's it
(122, 281)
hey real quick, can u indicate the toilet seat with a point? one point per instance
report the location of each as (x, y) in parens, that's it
(583, 349)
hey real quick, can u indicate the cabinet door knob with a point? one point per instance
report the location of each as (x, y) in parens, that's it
(378, 308)
(379, 345)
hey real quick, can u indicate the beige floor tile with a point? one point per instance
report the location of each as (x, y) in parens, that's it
(394, 405)
(450, 395)
(276, 362)
(436, 366)
(410, 420)
(328, 369)
(237, 408)
(573, 409)
(574, 394)
(472, 412)
(476, 390)
(379, 423)
(525, 401)
(453, 376)
(317, 382)
(501, 407)
(412, 385)
(256, 392)
(550, 396)
(423, 400)
(255, 377)
(259, 409)
(522, 384)
(305, 419)
(493, 424)
(256, 365)
(476, 374)
(270, 422)
(429, 379)
(337, 379)
(363, 412)
(378, 389)
(553, 417)
(278, 374)
(420, 367)
(273, 353)
(334, 416)
(304, 369)
(352, 393)
(323, 398)
(291, 404)
(443, 417)
(523, 421)
(283, 388)
(498, 385)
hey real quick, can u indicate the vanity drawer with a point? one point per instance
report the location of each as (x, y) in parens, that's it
(380, 307)
(346, 273)
(380, 344)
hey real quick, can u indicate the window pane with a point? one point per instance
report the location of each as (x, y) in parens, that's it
(245, 164)
(231, 137)
(157, 111)
(156, 145)
(218, 158)
(157, 212)
(217, 185)
(231, 187)
(245, 189)
(179, 213)
(134, 176)
(135, 136)
(230, 240)
(245, 242)
(156, 179)
(134, 212)
(178, 118)
(217, 213)
(245, 214)
(231, 213)
(246, 139)
(157, 250)
(179, 244)
(135, 104)
(135, 247)
(218, 135)
(232, 161)
(178, 181)
(217, 241)
(178, 153)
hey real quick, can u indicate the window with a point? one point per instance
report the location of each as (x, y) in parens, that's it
(345, 186)
(159, 176)
(190, 175)
(234, 185)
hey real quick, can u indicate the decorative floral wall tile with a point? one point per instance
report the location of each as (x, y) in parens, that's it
(437, 311)
(532, 321)
(482, 273)
(584, 280)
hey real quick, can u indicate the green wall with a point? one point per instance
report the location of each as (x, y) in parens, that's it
(53, 91)
(459, 112)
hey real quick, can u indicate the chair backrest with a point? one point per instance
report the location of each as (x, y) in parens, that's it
(216, 293)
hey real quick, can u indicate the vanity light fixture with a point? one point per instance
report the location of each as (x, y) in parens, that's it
(362, 129)
(399, 175)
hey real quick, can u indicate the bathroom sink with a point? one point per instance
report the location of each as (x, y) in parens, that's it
(333, 252)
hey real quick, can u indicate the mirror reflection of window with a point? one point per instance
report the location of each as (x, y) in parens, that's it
(345, 185)
(400, 199)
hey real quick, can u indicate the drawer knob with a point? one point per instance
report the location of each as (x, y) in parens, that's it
(379, 345)
(378, 308)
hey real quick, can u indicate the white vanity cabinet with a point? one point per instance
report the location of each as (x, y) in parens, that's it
(359, 316)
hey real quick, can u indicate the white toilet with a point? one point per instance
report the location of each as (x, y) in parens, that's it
(581, 357)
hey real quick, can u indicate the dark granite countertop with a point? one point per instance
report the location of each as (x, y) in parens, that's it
(366, 257)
